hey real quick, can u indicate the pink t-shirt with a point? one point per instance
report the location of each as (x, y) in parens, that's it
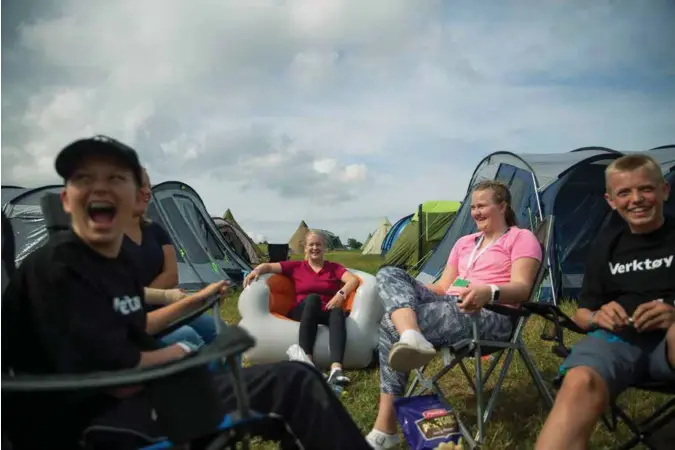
(493, 266)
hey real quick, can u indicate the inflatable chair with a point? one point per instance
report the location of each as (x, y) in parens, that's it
(264, 304)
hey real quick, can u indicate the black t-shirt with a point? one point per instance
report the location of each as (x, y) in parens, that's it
(149, 255)
(630, 269)
(69, 309)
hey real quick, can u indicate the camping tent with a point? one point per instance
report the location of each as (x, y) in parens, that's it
(296, 242)
(568, 185)
(374, 244)
(394, 233)
(665, 155)
(184, 215)
(237, 238)
(421, 235)
(333, 241)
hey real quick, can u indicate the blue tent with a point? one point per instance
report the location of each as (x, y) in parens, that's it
(569, 185)
(394, 233)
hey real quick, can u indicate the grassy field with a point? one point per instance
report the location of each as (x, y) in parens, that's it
(520, 412)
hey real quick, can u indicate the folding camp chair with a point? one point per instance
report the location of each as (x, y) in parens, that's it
(277, 252)
(477, 348)
(642, 430)
(227, 349)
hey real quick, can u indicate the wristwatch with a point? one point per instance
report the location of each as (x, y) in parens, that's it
(342, 293)
(593, 325)
(494, 297)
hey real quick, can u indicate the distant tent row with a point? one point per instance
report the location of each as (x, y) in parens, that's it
(237, 238)
(421, 234)
(570, 186)
(374, 242)
(203, 255)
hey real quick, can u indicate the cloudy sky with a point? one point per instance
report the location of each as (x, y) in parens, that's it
(337, 112)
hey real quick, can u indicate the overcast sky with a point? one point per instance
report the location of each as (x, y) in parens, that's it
(333, 111)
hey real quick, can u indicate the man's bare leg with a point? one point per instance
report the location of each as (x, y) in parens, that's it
(578, 406)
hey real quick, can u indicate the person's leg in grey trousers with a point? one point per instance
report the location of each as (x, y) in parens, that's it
(438, 316)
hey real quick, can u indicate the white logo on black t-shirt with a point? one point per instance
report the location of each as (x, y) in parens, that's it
(127, 305)
(641, 266)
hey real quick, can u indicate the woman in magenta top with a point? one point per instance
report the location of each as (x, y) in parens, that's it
(321, 290)
(498, 264)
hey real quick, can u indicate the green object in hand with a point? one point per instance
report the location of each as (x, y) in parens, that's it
(461, 282)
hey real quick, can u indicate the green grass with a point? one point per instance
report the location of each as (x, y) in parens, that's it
(520, 412)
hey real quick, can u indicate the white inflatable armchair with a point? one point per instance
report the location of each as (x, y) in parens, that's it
(263, 307)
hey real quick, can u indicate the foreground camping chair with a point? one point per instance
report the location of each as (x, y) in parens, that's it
(643, 430)
(476, 348)
(178, 399)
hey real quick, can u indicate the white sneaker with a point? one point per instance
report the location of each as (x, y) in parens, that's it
(412, 351)
(296, 353)
(380, 440)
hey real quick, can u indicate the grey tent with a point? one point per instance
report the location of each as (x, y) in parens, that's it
(195, 234)
(237, 239)
(569, 185)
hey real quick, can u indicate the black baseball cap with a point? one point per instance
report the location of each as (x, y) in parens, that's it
(72, 155)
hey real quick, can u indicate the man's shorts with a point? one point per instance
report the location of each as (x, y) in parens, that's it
(621, 363)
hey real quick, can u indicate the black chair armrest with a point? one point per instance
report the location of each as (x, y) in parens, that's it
(460, 346)
(508, 311)
(208, 304)
(661, 387)
(554, 314)
(232, 341)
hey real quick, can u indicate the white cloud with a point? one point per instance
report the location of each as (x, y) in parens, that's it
(337, 112)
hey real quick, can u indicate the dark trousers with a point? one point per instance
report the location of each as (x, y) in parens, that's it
(310, 315)
(307, 411)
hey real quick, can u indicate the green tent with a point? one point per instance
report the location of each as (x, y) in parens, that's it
(420, 237)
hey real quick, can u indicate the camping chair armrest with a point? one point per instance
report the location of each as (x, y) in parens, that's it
(460, 346)
(212, 302)
(554, 314)
(231, 342)
(508, 311)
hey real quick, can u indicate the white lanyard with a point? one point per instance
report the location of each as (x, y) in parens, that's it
(470, 263)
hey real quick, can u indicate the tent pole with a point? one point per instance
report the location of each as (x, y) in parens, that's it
(548, 255)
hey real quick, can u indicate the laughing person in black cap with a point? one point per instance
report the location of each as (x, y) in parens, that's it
(81, 301)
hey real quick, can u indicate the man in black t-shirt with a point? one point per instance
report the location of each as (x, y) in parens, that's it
(77, 306)
(627, 304)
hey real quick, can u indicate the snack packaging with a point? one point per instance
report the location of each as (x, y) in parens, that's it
(428, 423)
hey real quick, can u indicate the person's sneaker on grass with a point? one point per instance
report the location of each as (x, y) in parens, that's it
(296, 353)
(412, 351)
(380, 440)
(338, 377)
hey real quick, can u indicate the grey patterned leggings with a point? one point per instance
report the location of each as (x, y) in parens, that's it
(438, 317)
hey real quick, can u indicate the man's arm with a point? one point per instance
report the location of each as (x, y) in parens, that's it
(162, 296)
(593, 291)
(161, 318)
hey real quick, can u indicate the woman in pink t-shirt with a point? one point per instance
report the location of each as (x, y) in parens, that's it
(497, 264)
(321, 290)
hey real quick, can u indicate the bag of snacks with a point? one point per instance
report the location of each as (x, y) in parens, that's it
(428, 423)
